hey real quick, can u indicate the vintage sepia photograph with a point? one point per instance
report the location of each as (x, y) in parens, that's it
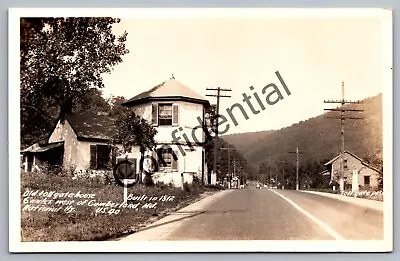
(200, 130)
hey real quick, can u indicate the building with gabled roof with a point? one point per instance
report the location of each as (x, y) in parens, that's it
(367, 175)
(81, 141)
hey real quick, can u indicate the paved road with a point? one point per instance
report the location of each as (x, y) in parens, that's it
(261, 214)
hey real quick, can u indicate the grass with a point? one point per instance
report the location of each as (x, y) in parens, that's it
(84, 224)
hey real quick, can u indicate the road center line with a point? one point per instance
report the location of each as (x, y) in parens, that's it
(324, 226)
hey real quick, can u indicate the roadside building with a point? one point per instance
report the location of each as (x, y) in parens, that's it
(354, 167)
(177, 112)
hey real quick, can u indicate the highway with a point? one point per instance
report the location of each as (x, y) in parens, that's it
(263, 214)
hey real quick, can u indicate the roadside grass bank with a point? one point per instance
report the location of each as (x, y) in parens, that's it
(52, 207)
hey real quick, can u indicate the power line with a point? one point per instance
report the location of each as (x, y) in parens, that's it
(218, 95)
(342, 118)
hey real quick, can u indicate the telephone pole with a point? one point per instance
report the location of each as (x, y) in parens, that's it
(297, 166)
(229, 164)
(342, 118)
(218, 95)
(284, 163)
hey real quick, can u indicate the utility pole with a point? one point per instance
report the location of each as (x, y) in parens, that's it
(297, 166)
(218, 95)
(284, 163)
(342, 118)
(234, 168)
(229, 164)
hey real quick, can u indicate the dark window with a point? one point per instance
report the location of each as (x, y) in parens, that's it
(165, 114)
(345, 164)
(165, 157)
(167, 160)
(99, 156)
(366, 180)
(103, 156)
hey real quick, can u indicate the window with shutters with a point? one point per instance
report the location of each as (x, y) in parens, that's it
(165, 114)
(168, 163)
(100, 156)
(166, 155)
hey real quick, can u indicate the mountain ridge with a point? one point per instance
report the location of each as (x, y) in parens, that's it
(317, 137)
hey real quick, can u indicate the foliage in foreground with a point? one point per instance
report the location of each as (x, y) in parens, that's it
(84, 224)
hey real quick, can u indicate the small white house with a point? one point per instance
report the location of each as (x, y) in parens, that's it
(177, 112)
(79, 142)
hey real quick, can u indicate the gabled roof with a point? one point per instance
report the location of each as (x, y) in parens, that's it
(353, 155)
(92, 127)
(169, 90)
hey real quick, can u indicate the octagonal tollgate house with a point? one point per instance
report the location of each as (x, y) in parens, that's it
(177, 111)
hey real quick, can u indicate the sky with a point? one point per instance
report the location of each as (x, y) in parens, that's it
(313, 56)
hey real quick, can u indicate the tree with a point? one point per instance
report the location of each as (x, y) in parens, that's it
(116, 108)
(133, 130)
(93, 101)
(61, 59)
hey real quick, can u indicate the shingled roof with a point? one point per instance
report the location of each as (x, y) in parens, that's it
(169, 90)
(90, 126)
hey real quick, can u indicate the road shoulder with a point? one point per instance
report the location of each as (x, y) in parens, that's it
(373, 204)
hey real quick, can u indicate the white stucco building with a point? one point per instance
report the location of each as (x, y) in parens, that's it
(177, 112)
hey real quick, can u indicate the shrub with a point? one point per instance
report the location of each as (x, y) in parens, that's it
(186, 187)
(148, 181)
(162, 185)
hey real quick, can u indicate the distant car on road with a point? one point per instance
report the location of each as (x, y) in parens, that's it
(258, 185)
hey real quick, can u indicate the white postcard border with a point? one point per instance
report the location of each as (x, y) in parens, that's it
(15, 244)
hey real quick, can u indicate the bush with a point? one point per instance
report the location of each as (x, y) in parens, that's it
(148, 181)
(186, 187)
(162, 185)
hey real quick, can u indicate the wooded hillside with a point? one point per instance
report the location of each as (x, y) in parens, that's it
(318, 138)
